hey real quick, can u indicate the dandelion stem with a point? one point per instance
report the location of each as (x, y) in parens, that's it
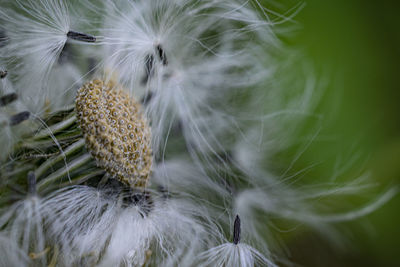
(75, 164)
(81, 37)
(56, 128)
(19, 117)
(83, 178)
(8, 99)
(236, 230)
(64, 109)
(51, 162)
(19, 168)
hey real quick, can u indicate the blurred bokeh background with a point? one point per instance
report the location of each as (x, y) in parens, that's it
(355, 46)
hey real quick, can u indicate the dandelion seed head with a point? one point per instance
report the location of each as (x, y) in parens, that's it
(210, 75)
(116, 133)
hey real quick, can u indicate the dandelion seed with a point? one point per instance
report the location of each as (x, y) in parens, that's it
(37, 32)
(236, 230)
(19, 118)
(42, 32)
(8, 99)
(81, 37)
(234, 254)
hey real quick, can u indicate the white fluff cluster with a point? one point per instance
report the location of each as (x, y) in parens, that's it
(189, 55)
(234, 255)
(214, 84)
(23, 234)
(36, 33)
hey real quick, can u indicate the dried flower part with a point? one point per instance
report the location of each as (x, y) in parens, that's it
(116, 133)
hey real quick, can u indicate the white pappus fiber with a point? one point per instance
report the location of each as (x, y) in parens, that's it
(184, 57)
(235, 253)
(22, 225)
(36, 36)
(213, 101)
(229, 254)
(104, 227)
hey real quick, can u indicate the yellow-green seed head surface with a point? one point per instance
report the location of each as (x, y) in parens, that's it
(116, 133)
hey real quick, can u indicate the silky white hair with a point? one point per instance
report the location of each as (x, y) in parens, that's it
(221, 101)
(36, 35)
(94, 226)
(161, 49)
(22, 224)
(229, 254)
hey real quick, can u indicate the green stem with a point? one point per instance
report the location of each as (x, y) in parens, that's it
(75, 164)
(55, 128)
(82, 178)
(68, 151)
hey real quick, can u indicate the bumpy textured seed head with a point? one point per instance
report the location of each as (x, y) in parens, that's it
(116, 133)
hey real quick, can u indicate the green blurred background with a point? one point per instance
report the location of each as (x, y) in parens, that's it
(355, 45)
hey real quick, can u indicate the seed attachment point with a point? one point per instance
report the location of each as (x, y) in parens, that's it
(83, 37)
(236, 230)
(143, 200)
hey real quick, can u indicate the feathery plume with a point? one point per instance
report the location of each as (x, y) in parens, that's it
(37, 32)
(164, 51)
(234, 254)
(137, 146)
